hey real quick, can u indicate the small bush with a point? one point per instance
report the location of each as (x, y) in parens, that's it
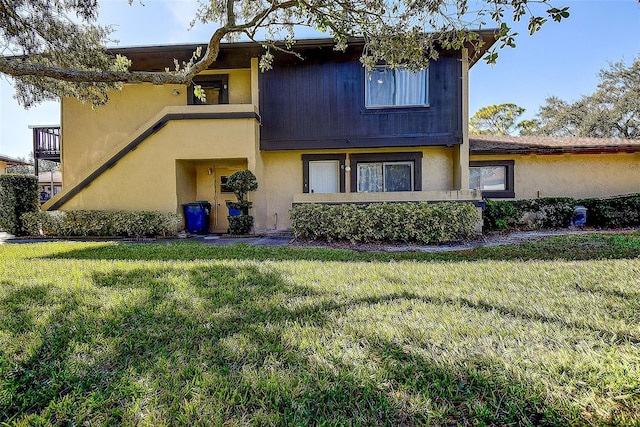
(240, 224)
(393, 222)
(101, 223)
(502, 214)
(18, 195)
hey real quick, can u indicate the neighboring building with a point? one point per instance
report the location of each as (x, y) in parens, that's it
(9, 161)
(530, 167)
(49, 184)
(314, 130)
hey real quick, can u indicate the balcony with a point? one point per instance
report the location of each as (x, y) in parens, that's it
(46, 144)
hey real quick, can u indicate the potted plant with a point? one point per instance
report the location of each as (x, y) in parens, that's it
(241, 183)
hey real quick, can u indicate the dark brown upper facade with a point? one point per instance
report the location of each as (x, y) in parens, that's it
(323, 99)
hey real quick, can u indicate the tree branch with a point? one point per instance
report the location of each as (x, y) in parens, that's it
(19, 67)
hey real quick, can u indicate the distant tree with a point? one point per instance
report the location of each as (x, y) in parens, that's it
(526, 127)
(612, 111)
(56, 48)
(501, 119)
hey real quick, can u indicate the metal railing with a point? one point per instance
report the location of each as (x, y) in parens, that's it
(46, 144)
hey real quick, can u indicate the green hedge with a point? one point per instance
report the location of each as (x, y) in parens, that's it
(18, 195)
(532, 214)
(102, 223)
(391, 222)
(615, 212)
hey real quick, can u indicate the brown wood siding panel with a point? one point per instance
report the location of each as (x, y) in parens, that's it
(320, 104)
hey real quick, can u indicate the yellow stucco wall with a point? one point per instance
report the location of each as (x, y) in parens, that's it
(283, 177)
(573, 175)
(88, 134)
(163, 171)
(3, 167)
(239, 86)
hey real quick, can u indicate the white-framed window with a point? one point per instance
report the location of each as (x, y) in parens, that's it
(385, 176)
(399, 87)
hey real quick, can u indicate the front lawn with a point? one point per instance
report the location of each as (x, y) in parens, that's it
(545, 333)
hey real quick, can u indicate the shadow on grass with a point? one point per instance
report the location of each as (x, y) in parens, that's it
(208, 345)
(569, 248)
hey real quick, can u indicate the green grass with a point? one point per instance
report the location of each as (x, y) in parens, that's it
(545, 333)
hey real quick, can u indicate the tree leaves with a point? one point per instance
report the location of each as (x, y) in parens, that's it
(496, 120)
(612, 111)
(56, 56)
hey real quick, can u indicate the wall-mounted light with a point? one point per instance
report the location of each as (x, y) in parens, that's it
(210, 171)
(347, 168)
(176, 92)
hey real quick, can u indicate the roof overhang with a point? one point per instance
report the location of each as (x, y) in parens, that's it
(531, 145)
(10, 161)
(239, 54)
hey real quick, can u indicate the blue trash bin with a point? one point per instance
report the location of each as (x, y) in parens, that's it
(196, 217)
(579, 216)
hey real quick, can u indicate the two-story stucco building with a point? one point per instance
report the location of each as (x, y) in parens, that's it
(317, 129)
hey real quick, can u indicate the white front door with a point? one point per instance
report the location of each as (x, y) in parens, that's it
(324, 176)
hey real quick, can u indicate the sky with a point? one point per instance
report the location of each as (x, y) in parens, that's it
(563, 59)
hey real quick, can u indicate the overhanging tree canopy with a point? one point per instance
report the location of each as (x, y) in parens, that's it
(56, 48)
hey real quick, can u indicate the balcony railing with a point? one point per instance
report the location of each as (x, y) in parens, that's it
(46, 144)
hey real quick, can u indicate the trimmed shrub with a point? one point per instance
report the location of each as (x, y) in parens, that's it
(18, 195)
(616, 212)
(528, 214)
(102, 223)
(390, 222)
(241, 182)
(502, 214)
(240, 224)
(557, 212)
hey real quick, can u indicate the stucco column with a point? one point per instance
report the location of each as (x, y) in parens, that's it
(255, 164)
(461, 152)
(255, 94)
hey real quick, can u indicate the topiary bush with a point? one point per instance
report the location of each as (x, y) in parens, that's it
(18, 195)
(83, 223)
(241, 183)
(386, 222)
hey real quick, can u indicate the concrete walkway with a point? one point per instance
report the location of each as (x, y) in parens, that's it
(287, 239)
(211, 239)
(275, 240)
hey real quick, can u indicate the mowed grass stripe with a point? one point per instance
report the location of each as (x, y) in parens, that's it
(275, 341)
